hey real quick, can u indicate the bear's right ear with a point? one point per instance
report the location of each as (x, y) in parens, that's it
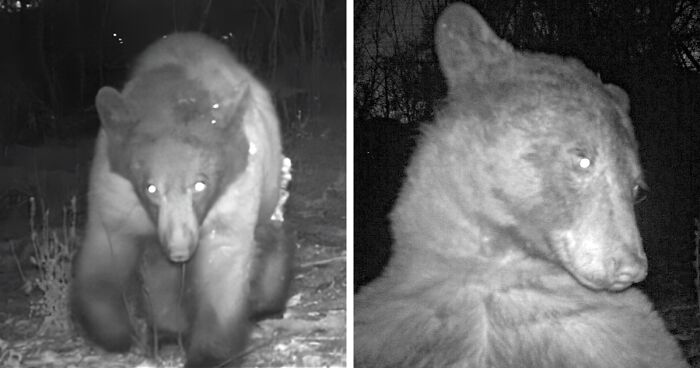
(464, 43)
(620, 96)
(239, 107)
(114, 112)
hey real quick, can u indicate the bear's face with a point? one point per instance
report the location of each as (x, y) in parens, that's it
(179, 146)
(550, 156)
(567, 176)
(177, 184)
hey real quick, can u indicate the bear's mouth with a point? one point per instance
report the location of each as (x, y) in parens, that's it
(599, 284)
(619, 285)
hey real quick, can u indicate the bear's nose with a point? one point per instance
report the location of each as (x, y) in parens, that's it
(627, 269)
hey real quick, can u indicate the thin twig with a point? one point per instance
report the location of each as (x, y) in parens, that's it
(19, 266)
(322, 262)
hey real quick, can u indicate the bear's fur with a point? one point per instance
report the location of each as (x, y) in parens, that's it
(184, 183)
(515, 238)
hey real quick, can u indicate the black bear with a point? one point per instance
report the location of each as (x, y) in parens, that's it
(515, 238)
(186, 180)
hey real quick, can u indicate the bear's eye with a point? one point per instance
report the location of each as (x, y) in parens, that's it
(584, 162)
(200, 186)
(581, 159)
(639, 192)
(151, 189)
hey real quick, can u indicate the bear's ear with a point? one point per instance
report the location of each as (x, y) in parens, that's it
(114, 112)
(238, 107)
(619, 95)
(464, 43)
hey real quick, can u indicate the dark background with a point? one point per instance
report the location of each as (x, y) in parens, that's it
(650, 48)
(54, 55)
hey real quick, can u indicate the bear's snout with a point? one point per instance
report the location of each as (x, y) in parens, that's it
(601, 265)
(179, 243)
(178, 232)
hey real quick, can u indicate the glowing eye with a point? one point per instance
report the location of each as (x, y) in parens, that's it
(213, 121)
(200, 186)
(639, 192)
(215, 106)
(151, 189)
(584, 162)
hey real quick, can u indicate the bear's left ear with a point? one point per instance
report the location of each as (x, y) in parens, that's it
(115, 115)
(465, 43)
(619, 95)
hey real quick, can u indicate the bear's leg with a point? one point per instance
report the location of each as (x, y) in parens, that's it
(164, 294)
(273, 271)
(219, 308)
(104, 268)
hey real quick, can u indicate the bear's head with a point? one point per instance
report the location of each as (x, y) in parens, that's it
(179, 144)
(530, 151)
